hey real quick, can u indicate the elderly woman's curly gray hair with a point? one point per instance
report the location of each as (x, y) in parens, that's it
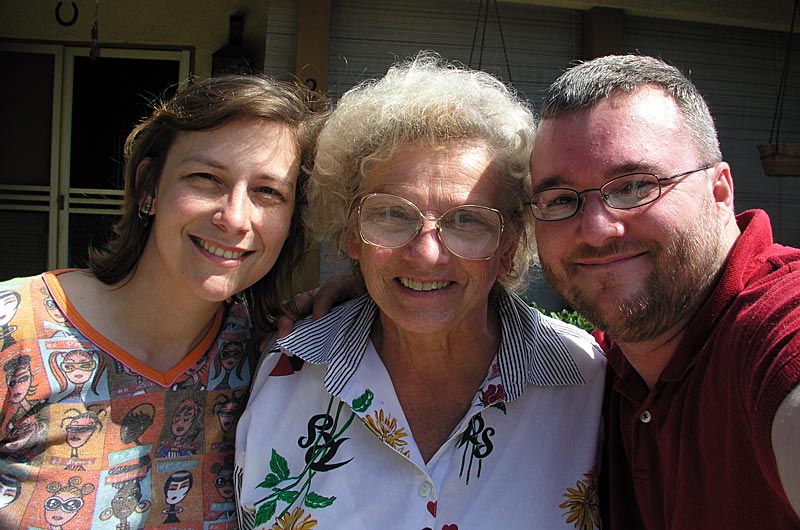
(422, 101)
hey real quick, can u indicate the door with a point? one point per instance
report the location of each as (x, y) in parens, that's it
(61, 172)
(29, 142)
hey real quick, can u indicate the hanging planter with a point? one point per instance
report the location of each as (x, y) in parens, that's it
(781, 159)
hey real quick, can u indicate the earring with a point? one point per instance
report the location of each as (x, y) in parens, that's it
(144, 213)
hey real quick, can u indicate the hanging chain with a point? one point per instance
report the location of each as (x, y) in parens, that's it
(483, 15)
(775, 131)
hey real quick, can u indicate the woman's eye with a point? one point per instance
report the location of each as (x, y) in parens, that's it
(202, 177)
(266, 191)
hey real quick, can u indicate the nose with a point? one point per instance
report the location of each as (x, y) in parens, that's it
(599, 223)
(427, 245)
(234, 214)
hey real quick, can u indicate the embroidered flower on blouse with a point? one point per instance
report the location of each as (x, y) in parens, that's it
(583, 510)
(492, 394)
(295, 521)
(494, 371)
(385, 428)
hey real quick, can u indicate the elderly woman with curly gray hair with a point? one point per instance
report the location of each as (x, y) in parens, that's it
(440, 399)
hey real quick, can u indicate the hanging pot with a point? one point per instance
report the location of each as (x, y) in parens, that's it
(780, 160)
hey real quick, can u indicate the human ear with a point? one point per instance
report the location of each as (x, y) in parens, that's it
(507, 251)
(353, 246)
(147, 206)
(722, 186)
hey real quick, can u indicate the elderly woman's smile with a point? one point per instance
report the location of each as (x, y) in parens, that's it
(416, 285)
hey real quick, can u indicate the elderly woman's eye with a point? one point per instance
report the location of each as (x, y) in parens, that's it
(269, 192)
(389, 215)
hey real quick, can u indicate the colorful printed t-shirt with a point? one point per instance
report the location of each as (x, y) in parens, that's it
(326, 444)
(92, 438)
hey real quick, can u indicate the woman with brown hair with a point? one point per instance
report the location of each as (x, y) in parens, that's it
(213, 195)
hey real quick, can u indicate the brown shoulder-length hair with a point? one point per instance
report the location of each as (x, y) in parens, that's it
(204, 105)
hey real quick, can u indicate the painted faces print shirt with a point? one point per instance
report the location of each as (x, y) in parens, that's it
(92, 438)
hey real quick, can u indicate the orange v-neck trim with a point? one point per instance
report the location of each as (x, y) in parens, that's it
(164, 379)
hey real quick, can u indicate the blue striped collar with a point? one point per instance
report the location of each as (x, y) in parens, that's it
(531, 348)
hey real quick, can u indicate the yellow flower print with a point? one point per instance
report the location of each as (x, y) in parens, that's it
(583, 510)
(385, 428)
(292, 521)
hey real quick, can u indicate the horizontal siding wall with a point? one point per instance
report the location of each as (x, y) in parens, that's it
(368, 36)
(738, 71)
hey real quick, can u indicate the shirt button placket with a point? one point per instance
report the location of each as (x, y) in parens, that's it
(425, 489)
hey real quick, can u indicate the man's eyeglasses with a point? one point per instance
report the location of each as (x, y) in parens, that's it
(469, 231)
(621, 193)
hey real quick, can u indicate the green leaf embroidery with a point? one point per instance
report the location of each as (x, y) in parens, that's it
(322, 442)
(287, 496)
(265, 512)
(362, 403)
(269, 481)
(314, 500)
(278, 465)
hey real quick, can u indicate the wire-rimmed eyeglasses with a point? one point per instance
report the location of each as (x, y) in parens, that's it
(468, 231)
(621, 193)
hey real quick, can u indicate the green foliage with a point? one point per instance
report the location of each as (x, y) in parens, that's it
(314, 500)
(266, 511)
(570, 317)
(362, 403)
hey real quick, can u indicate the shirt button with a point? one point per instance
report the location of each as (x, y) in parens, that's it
(645, 417)
(425, 489)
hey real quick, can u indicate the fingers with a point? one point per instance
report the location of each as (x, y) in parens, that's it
(297, 309)
(285, 325)
(336, 289)
(318, 302)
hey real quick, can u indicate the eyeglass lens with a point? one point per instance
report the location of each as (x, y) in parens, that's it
(623, 193)
(470, 232)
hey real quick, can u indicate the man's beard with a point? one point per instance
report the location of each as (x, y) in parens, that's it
(682, 273)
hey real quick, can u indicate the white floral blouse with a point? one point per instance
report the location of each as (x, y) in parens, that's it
(324, 444)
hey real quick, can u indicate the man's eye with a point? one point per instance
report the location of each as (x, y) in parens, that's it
(557, 201)
(636, 189)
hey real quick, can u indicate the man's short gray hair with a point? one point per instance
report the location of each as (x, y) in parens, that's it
(585, 84)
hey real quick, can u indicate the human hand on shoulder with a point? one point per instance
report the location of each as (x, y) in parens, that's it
(318, 302)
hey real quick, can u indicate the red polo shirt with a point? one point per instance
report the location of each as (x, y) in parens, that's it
(696, 451)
